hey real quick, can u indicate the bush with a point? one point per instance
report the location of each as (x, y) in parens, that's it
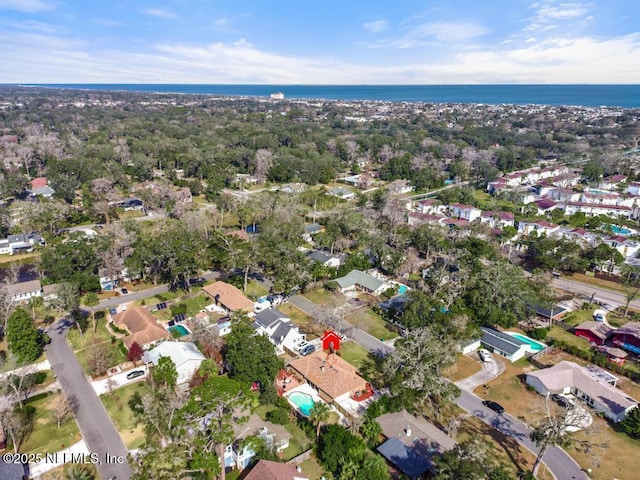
(279, 416)
(540, 333)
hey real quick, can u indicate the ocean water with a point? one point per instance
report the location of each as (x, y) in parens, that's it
(627, 96)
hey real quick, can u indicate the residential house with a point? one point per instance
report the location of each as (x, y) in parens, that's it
(40, 187)
(310, 230)
(412, 443)
(594, 332)
(223, 326)
(497, 219)
(628, 248)
(22, 292)
(545, 206)
(627, 337)
(278, 328)
(325, 258)
(594, 209)
(464, 212)
(503, 344)
(540, 227)
(293, 188)
(183, 195)
(20, 243)
(595, 387)
(358, 280)
(240, 454)
(633, 188)
(268, 470)
(185, 356)
(600, 198)
(342, 193)
(335, 379)
(564, 195)
(144, 328)
(429, 206)
(228, 299)
(398, 187)
(50, 292)
(611, 182)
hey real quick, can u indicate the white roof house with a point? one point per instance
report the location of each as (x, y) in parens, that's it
(278, 328)
(185, 355)
(363, 281)
(595, 389)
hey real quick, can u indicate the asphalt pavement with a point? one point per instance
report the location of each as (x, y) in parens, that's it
(600, 294)
(96, 427)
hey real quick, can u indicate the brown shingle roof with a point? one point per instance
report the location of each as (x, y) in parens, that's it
(229, 296)
(16, 289)
(268, 470)
(599, 329)
(394, 425)
(143, 326)
(329, 373)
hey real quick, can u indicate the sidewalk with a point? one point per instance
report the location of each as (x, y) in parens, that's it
(58, 459)
(33, 368)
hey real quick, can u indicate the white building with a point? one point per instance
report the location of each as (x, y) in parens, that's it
(24, 291)
(594, 387)
(185, 355)
(283, 334)
(541, 227)
(593, 209)
(464, 212)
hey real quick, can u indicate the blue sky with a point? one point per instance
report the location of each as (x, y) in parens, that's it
(319, 42)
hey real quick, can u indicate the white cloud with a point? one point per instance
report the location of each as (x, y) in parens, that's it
(435, 33)
(549, 14)
(35, 26)
(32, 57)
(27, 6)
(158, 13)
(377, 26)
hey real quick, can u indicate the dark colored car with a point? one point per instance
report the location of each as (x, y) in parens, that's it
(496, 407)
(125, 291)
(307, 350)
(135, 374)
(113, 311)
(564, 402)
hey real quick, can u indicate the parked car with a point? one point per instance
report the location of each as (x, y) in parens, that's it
(302, 345)
(135, 374)
(496, 407)
(561, 400)
(485, 355)
(599, 317)
(125, 291)
(309, 349)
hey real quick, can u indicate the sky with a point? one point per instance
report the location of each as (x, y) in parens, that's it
(320, 42)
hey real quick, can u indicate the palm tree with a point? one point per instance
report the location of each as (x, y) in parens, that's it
(91, 300)
(79, 473)
(318, 415)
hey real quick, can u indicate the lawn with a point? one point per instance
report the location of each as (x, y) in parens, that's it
(301, 319)
(118, 355)
(298, 443)
(372, 323)
(465, 367)
(21, 259)
(116, 404)
(560, 334)
(323, 297)
(256, 290)
(79, 341)
(312, 469)
(46, 437)
(355, 354)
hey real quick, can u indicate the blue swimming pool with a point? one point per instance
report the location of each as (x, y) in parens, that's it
(618, 230)
(303, 401)
(180, 331)
(402, 289)
(535, 346)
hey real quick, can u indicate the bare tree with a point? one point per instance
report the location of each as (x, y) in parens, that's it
(17, 423)
(263, 160)
(64, 407)
(554, 427)
(7, 305)
(99, 357)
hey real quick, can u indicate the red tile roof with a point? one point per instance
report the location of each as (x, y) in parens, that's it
(39, 182)
(268, 470)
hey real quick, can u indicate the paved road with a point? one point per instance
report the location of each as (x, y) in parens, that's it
(603, 295)
(561, 465)
(489, 371)
(95, 425)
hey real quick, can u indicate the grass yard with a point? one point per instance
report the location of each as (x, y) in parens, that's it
(298, 443)
(464, 367)
(372, 323)
(579, 316)
(560, 334)
(323, 297)
(301, 319)
(46, 437)
(79, 341)
(312, 469)
(21, 258)
(355, 354)
(118, 355)
(116, 404)
(256, 290)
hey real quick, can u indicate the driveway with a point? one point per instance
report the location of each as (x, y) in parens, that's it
(118, 380)
(96, 427)
(489, 371)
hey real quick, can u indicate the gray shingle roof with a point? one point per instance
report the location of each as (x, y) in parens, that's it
(268, 317)
(501, 341)
(357, 277)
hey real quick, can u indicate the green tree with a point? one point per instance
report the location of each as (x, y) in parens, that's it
(79, 473)
(318, 415)
(165, 373)
(72, 261)
(469, 460)
(91, 300)
(371, 432)
(251, 357)
(23, 337)
(631, 423)
(336, 446)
